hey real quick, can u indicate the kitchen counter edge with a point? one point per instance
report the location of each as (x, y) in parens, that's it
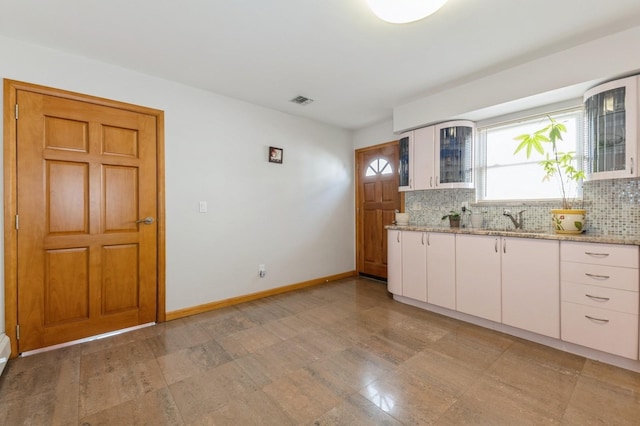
(540, 235)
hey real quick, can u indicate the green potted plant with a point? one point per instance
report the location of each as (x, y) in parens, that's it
(559, 165)
(454, 218)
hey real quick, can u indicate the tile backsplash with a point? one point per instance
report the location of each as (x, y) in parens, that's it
(613, 208)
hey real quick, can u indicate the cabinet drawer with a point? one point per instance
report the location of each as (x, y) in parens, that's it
(607, 331)
(600, 297)
(599, 275)
(599, 254)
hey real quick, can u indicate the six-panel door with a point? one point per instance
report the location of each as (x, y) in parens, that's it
(86, 174)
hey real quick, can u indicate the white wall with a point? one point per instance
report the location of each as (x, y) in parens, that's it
(374, 135)
(553, 78)
(297, 218)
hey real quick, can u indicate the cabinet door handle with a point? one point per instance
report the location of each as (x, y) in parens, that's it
(428, 239)
(436, 181)
(601, 320)
(431, 182)
(423, 238)
(410, 183)
(632, 165)
(602, 277)
(504, 246)
(495, 247)
(598, 298)
(588, 253)
(398, 236)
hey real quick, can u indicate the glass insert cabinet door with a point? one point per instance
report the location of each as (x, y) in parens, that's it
(611, 128)
(405, 165)
(454, 154)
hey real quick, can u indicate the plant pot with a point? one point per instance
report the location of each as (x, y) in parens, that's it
(454, 223)
(568, 221)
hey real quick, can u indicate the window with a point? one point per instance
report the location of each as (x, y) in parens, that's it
(379, 166)
(503, 176)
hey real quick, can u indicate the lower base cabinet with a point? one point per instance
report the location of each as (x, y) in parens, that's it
(600, 302)
(602, 329)
(531, 285)
(582, 293)
(421, 266)
(414, 265)
(394, 262)
(478, 276)
(441, 270)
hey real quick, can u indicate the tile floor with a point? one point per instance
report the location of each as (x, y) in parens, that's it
(340, 353)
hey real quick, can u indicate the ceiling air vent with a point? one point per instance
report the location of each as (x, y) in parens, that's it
(301, 100)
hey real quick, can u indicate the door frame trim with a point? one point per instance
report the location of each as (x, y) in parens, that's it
(359, 251)
(11, 88)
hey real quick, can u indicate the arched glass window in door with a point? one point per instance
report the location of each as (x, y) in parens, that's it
(379, 166)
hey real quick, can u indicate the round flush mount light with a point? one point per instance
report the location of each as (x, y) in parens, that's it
(403, 11)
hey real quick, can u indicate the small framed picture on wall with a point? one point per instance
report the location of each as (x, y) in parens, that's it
(275, 155)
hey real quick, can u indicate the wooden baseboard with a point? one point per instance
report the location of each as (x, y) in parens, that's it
(181, 313)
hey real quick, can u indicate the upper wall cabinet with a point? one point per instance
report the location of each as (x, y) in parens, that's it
(454, 154)
(436, 157)
(611, 116)
(416, 166)
(405, 163)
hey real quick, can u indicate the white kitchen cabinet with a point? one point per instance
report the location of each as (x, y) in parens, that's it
(441, 269)
(478, 276)
(600, 286)
(453, 156)
(424, 166)
(611, 113)
(625, 256)
(531, 285)
(416, 165)
(414, 265)
(394, 261)
(602, 329)
(405, 162)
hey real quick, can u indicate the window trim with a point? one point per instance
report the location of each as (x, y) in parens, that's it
(524, 116)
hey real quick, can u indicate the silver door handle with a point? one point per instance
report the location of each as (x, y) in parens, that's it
(147, 220)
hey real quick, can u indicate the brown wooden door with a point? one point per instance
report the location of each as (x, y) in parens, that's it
(377, 199)
(85, 174)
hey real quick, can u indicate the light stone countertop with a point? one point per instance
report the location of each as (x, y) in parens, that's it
(585, 237)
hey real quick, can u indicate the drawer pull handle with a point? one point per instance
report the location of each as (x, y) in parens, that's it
(603, 321)
(602, 277)
(588, 253)
(598, 298)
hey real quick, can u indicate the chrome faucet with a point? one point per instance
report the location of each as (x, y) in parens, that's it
(516, 222)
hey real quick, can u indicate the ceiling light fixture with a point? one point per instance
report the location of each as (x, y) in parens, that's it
(403, 11)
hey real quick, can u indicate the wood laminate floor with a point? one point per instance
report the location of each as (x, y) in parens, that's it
(339, 353)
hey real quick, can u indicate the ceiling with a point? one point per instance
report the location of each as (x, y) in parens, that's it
(356, 67)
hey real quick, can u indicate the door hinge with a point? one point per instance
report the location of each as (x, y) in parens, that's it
(17, 222)
(17, 331)
(16, 111)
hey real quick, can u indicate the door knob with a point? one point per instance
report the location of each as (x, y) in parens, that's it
(147, 220)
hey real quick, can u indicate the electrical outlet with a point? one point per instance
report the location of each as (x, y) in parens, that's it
(203, 206)
(417, 206)
(262, 270)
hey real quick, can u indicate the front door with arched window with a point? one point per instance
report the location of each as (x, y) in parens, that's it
(376, 202)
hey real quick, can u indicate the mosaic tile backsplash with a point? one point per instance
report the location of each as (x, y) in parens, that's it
(613, 208)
